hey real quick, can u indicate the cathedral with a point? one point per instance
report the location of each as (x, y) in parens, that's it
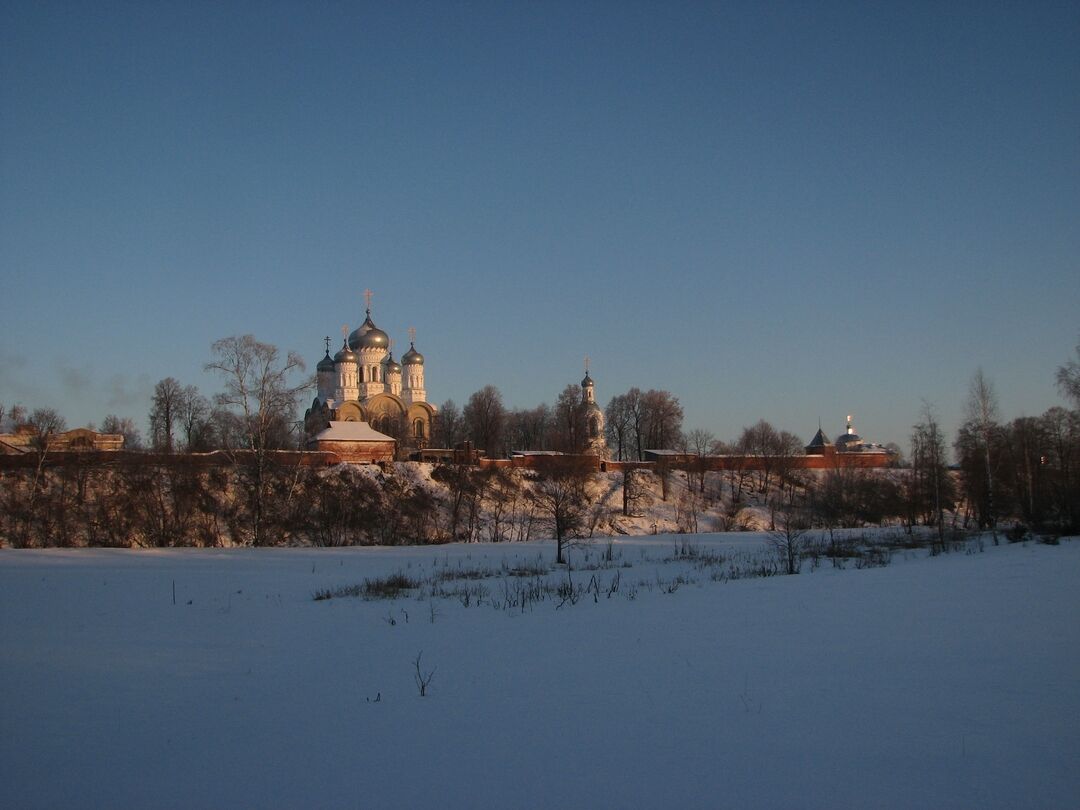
(364, 383)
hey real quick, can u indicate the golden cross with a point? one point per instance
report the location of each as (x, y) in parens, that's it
(345, 332)
(367, 300)
(412, 334)
(586, 364)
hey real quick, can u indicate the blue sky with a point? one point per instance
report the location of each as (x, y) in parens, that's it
(788, 211)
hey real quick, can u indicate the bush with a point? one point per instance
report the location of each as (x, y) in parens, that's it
(388, 587)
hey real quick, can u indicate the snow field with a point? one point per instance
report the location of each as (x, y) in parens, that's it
(934, 682)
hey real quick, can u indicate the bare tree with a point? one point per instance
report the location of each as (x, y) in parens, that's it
(981, 410)
(639, 421)
(529, 429)
(619, 425)
(633, 490)
(638, 417)
(561, 495)
(570, 430)
(124, 427)
(46, 424)
(663, 419)
(484, 417)
(790, 541)
(11, 417)
(1062, 429)
(1068, 378)
(167, 403)
(761, 440)
(929, 473)
(261, 393)
(449, 428)
(700, 443)
(787, 447)
(423, 679)
(194, 417)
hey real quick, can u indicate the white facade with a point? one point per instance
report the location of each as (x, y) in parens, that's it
(413, 368)
(363, 383)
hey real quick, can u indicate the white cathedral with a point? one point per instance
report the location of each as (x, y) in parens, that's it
(363, 383)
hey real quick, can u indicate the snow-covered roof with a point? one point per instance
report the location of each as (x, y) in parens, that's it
(351, 432)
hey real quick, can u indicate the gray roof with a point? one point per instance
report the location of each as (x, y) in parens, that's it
(351, 432)
(326, 364)
(819, 440)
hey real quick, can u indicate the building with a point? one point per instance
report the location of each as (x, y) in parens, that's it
(364, 383)
(595, 442)
(354, 442)
(849, 442)
(25, 440)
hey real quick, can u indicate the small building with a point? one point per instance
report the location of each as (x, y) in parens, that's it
(820, 445)
(25, 440)
(354, 443)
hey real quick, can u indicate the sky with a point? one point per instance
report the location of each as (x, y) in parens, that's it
(788, 211)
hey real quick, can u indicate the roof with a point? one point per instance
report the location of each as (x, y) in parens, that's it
(819, 440)
(351, 432)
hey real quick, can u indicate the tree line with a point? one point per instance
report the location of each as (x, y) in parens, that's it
(1027, 468)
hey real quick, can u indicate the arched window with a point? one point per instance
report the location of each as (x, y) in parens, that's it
(418, 428)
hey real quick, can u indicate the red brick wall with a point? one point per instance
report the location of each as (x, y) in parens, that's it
(360, 452)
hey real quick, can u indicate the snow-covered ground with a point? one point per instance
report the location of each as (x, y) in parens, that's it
(951, 681)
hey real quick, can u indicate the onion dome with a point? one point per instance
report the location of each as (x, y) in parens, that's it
(326, 364)
(412, 357)
(392, 366)
(346, 355)
(368, 336)
(848, 440)
(587, 382)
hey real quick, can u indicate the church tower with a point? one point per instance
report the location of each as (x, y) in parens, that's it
(371, 344)
(326, 375)
(346, 365)
(595, 442)
(393, 374)
(413, 361)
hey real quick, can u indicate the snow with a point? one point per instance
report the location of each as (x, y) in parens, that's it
(949, 681)
(351, 432)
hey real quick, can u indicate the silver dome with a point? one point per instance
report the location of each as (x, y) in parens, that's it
(326, 364)
(412, 357)
(368, 336)
(346, 355)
